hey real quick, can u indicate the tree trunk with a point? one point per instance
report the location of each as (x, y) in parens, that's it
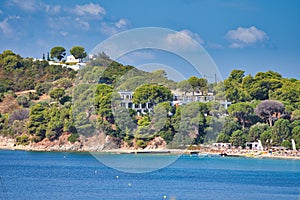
(243, 124)
(270, 121)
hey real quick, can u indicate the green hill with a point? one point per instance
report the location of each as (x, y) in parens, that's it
(45, 103)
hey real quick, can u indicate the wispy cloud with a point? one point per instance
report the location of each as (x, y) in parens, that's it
(114, 27)
(67, 24)
(184, 39)
(84, 25)
(58, 23)
(89, 9)
(53, 9)
(35, 5)
(28, 5)
(121, 23)
(5, 27)
(243, 37)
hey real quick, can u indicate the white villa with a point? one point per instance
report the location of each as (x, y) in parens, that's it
(71, 62)
(126, 101)
(72, 59)
(180, 99)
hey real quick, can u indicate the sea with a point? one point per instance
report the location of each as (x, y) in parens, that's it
(64, 176)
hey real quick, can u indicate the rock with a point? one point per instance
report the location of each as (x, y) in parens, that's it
(111, 143)
(156, 143)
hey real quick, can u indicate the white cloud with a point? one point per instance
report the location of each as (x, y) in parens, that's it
(59, 22)
(5, 26)
(53, 9)
(121, 23)
(89, 9)
(114, 27)
(242, 37)
(83, 24)
(35, 5)
(28, 5)
(193, 36)
(184, 39)
(64, 24)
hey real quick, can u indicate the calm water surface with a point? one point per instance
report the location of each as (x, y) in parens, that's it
(44, 175)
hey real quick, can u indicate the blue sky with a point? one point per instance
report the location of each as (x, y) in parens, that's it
(256, 35)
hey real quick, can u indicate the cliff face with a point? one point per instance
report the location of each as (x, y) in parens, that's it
(96, 143)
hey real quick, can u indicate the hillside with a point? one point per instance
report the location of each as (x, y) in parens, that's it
(44, 106)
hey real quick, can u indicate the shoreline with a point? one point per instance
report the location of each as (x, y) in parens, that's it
(199, 153)
(77, 147)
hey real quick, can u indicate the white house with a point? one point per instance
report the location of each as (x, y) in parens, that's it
(56, 63)
(254, 145)
(77, 66)
(222, 145)
(72, 59)
(126, 102)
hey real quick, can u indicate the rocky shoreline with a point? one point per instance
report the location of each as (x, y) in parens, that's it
(157, 146)
(97, 143)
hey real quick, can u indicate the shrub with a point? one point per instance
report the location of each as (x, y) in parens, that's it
(37, 138)
(51, 135)
(22, 140)
(43, 88)
(23, 101)
(20, 114)
(73, 137)
(141, 143)
(286, 144)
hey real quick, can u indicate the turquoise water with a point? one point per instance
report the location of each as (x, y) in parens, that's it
(49, 175)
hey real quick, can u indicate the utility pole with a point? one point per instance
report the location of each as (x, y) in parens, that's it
(215, 78)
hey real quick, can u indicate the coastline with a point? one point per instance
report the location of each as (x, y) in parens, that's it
(9, 144)
(199, 153)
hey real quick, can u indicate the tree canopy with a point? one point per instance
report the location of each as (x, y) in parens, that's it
(241, 111)
(264, 106)
(198, 84)
(152, 93)
(269, 110)
(78, 52)
(58, 52)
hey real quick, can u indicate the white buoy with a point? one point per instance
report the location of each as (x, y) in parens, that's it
(117, 177)
(129, 184)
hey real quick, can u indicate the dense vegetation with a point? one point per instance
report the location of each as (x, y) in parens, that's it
(265, 107)
(30, 117)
